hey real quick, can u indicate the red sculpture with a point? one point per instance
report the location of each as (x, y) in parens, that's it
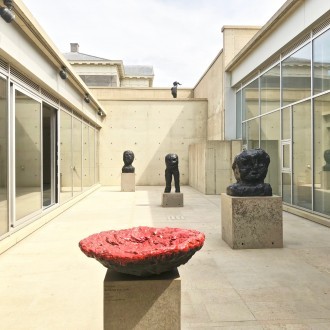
(143, 251)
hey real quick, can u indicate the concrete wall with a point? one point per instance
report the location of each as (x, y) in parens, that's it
(210, 86)
(140, 93)
(151, 129)
(210, 165)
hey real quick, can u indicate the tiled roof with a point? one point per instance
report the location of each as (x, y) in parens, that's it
(75, 56)
(139, 70)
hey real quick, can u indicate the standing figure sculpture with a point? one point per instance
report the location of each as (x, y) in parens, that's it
(250, 169)
(128, 157)
(174, 89)
(172, 169)
(326, 155)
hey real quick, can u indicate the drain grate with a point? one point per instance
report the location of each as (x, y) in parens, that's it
(175, 217)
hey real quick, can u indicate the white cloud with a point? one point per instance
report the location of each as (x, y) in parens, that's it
(180, 38)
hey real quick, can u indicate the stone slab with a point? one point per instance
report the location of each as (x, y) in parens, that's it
(128, 182)
(252, 222)
(172, 200)
(132, 302)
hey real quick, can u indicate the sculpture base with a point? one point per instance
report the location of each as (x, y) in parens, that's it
(325, 180)
(128, 182)
(172, 200)
(132, 302)
(252, 222)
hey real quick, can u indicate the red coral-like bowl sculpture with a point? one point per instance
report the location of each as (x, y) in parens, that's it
(143, 251)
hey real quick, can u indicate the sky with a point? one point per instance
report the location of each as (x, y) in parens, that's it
(179, 38)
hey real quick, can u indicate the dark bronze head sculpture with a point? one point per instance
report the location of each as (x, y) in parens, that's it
(174, 89)
(172, 169)
(326, 155)
(250, 169)
(128, 157)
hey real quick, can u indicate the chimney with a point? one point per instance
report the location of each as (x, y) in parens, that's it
(74, 47)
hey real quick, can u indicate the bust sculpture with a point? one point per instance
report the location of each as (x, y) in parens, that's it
(250, 169)
(128, 157)
(172, 169)
(326, 155)
(174, 89)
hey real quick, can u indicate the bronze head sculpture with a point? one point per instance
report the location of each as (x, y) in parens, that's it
(250, 169)
(172, 169)
(128, 157)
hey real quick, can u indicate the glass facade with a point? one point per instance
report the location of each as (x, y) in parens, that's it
(37, 172)
(285, 111)
(78, 156)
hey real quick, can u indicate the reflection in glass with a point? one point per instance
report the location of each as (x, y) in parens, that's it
(322, 145)
(286, 156)
(28, 155)
(321, 63)
(4, 227)
(97, 162)
(286, 187)
(252, 133)
(86, 159)
(66, 157)
(296, 76)
(77, 155)
(270, 90)
(286, 124)
(239, 114)
(92, 155)
(302, 155)
(250, 100)
(270, 142)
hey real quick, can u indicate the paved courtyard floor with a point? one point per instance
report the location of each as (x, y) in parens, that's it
(47, 283)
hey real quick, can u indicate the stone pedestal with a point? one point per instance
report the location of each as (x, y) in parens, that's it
(132, 302)
(325, 180)
(252, 222)
(172, 200)
(128, 182)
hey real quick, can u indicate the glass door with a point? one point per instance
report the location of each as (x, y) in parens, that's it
(49, 152)
(27, 159)
(4, 220)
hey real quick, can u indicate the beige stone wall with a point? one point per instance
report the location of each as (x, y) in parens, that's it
(151, 129)
(134, 82)
(211, 87)
(210, 165)
(139, 93)
(235, 38)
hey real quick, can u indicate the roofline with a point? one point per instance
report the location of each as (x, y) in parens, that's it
(263, 32)
(26, 21)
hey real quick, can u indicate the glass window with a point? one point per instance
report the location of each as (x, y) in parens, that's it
(270, 90)
(252, 133)
(296, 76)
(239, 114)
(286, 123)
(321, 63)
(250, 100)
(322, 154)
(77, 155)
(302, 155)
(28, 155)
(270, 135)
(4, 227)
(286, 187)
(92, 155)
(66, 157)
(86, 159)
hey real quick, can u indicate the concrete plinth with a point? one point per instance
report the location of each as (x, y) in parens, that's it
(172, 200)
(128, 182)
(252, 222)
(325, 180)
(132, 302)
